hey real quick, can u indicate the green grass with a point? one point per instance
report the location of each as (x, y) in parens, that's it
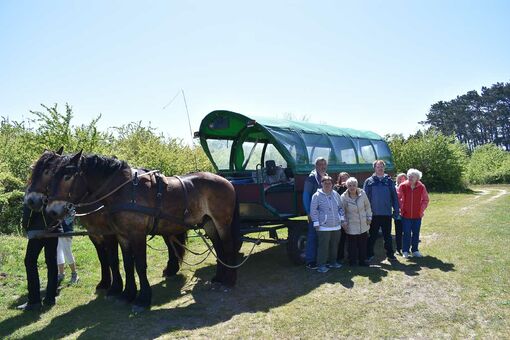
(460, 289)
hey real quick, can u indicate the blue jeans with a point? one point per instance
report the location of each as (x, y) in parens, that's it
(411, 231)
(311, 244)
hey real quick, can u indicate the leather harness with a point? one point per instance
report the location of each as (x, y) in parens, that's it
(156, 212)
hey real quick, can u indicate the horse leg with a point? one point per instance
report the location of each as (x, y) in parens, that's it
(140, 255)
(106, 279)
(129, 293)
(227, 253)
(174, 260)
(112, 248)
(211, 231)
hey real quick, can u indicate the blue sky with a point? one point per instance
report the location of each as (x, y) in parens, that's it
(374, 65)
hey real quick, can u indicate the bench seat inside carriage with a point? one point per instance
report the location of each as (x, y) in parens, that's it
(266, 193)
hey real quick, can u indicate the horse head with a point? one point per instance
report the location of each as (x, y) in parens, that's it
(36, 194)
(68, 186)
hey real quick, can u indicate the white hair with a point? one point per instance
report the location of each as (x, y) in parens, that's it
(320, 159)
(351, 180)
(414, 172)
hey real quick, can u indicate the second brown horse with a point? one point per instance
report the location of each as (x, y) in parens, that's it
(178, 204)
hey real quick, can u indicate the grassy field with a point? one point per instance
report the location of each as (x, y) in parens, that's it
(461, 288)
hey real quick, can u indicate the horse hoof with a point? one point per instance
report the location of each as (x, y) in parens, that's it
(170, 272)
(101, 286)
(137, 309)
(216, 285)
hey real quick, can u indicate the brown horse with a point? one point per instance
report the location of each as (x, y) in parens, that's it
(139, 205)
(106, 245)
(100, 232)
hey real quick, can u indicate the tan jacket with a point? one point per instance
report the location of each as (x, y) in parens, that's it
(358, 212)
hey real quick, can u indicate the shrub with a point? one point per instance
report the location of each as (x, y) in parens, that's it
(11, 202)
(441, 159)
(489, 164)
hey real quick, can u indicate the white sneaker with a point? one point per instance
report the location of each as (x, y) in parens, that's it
(417, 254)
(405, 254)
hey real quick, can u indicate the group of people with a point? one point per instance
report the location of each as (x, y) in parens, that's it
(343, 213)
(57, 252)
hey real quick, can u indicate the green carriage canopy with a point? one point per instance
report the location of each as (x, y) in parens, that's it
(235, 142)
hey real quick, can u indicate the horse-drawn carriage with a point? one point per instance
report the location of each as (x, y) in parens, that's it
(262, 165)
(268, 159)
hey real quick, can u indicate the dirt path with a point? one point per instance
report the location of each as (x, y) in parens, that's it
(490, 193)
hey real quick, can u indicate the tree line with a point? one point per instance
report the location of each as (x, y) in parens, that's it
(475, 118)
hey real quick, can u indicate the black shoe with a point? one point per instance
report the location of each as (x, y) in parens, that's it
(311, 265)
(392, 257)
(29, 306)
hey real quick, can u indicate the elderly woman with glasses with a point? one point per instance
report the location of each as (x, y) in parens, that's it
(327, 216)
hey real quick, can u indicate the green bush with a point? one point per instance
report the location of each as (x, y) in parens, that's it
(22, 143)
(11, 202)
(441, 159)
(489, 164)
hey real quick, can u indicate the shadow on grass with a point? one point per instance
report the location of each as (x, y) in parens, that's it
(266, 281)
(412, 266)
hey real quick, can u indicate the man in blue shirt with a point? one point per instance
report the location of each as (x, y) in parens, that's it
(381, 192)
(312, 184)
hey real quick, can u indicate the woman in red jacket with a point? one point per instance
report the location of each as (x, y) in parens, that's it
(414, 199)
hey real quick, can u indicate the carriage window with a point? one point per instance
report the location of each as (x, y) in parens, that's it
(252, 154)
(273, 154)
(317, 146)
(366, 152)
(344, 150)
(220, 152)
(382, 150)
(292, 142)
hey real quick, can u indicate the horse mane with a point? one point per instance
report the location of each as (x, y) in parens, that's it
(102, 165)
(41, 164)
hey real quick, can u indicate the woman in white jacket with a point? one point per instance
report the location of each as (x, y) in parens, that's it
(327, 215)
(358, 216)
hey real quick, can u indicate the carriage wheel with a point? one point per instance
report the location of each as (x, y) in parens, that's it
(296, 243)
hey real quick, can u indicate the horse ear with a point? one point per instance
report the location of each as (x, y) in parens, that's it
(59, 151)
(76, 158)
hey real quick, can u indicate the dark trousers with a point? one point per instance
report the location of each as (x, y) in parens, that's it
(398, 233)
(357, 248)
(383, 222)
(341, 246)
(34, 248)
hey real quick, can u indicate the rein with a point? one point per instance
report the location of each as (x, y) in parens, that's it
(80, 205)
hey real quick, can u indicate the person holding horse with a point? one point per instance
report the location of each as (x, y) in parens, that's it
(37, 224)
(312, 183)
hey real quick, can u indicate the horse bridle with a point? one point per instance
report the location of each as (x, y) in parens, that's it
(78, 203)
(76, 172)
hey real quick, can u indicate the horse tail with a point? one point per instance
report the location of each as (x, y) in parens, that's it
(235, 227)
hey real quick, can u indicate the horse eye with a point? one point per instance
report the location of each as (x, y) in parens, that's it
(67, 177)
(47, 171)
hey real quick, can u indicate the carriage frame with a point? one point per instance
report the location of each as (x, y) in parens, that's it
(249, 150)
